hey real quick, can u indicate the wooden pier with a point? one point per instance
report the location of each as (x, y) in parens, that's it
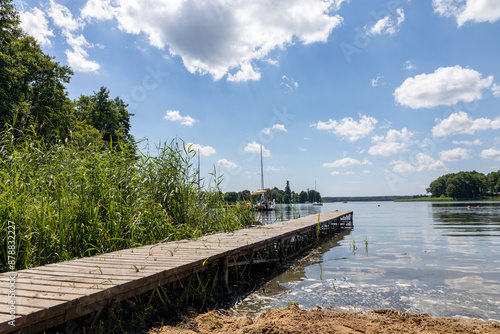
(54, 294)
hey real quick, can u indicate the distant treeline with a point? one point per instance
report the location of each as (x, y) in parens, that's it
(465, 185)
(368, 198)
(286, 196)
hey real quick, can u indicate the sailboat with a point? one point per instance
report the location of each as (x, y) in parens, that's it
(316, 203)
(265, 204)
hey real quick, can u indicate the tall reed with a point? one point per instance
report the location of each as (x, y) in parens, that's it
(69, 202)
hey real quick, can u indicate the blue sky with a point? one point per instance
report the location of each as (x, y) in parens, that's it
(361, 97)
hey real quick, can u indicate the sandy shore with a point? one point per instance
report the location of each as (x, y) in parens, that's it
(327, 320)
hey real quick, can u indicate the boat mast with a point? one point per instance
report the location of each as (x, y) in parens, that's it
(199, 174)
(261, 169)
(314, 196)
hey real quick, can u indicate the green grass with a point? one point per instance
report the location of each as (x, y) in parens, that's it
(70, 202)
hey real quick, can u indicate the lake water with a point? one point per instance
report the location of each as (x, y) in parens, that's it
(442, 259)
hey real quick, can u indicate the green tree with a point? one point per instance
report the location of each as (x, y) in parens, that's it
(32, 85)
(287, 199)
(303, 197)
(276, 194)
(459, 185)
(231, 197)
(493, 180)
(244, 195)
(109, 117)
(288, 191)
(438, 187)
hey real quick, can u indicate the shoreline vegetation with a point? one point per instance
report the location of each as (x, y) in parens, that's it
(448, 199)
(71, 202)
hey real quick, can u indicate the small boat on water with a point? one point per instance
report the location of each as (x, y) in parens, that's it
(316, 203)
(265, 203)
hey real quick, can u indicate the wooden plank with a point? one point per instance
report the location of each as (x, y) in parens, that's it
(106, 273)
(5, 327)
(52, 306)
(131, 262)
(165, 259)
(180, 254)
(83, 285)
(48, 295)
(48, 282)
(28, 314)
(65, 273)
(99, 271)
(128, 264)
(65, 278)
(57, 289)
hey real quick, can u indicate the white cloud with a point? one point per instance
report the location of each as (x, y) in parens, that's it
(214, 37)
(205, 151)
(455, 154)
(337, 3)
(98, 9)
(366, 172)
(175, 116)
(78, 61)
(422, 163)
(246, 73)
(226, 163)
(491, 153)
(496, 90)
(467, 142)
(335, 173)
(347, 128)
(386, 148)
(446, 86)
(274, 62)
(346, 162)
(394, 142)
(462, 123)
(280, 127)
(387, 25)
(77, 58)
(63, 18)
(272, 169)
(254, 147)
(36, 25)
(468, 10)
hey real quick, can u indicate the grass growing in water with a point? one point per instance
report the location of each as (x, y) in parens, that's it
(70, 202)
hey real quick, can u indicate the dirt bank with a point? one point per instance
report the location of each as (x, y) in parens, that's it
(326, 320)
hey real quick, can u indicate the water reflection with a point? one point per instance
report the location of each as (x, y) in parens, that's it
(284, 212)
(279, 287)
(478, 219)
(415, 261)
